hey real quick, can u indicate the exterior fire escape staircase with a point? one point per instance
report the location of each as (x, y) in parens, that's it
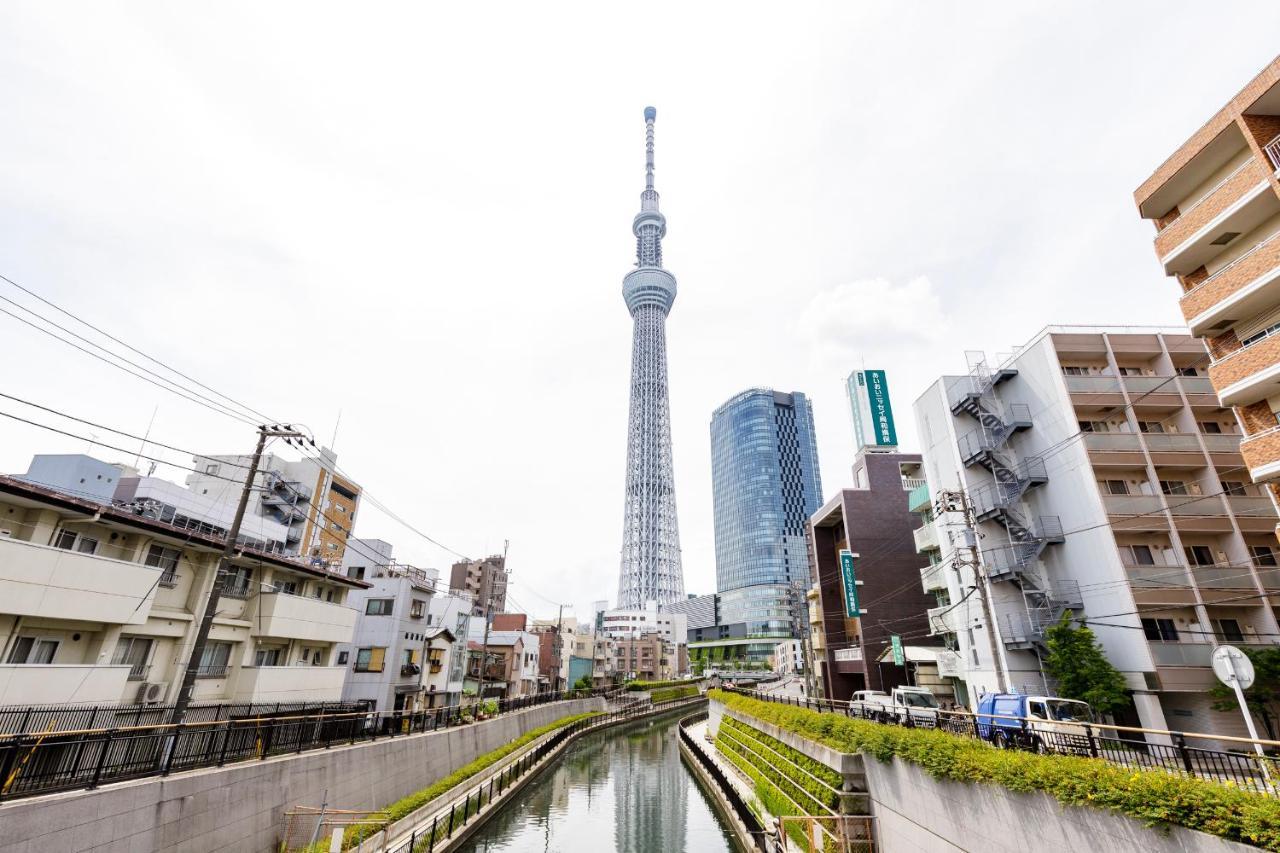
(286, 501)
(1018, 562)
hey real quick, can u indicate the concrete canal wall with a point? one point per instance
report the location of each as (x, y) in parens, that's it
(240, 807)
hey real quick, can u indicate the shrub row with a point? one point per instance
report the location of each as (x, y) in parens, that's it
(654, 685)
(406, 805)
(749, 744)
(666, 694)
(1151, 796)
(768, 784)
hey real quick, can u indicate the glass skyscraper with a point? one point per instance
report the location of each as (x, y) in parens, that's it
(765, 483)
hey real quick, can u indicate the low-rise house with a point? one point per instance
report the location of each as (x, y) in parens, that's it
(388, 657)
(445, 685)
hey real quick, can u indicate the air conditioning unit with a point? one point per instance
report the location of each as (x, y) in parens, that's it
(150, 693)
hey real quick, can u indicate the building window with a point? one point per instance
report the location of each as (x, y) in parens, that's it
(370, 660)
(165, 559)
(1198, 555)
(1211, 427)
(1160, 630)
(211, 470)
(30, 650)
(1150, 426)
(1075, 371)
(267, 657)
(1232, 487)
(1115, 487)
(356, 573)
(1263, 555)
(1137, 555)
(215, 660)
(342, 658)
(287, 587)
(136, 652)
(1173, 487)
(417, 608)
(1228, 630)
(379, 606)
(435, 657)
(1188, 371)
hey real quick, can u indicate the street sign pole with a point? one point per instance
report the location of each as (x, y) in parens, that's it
(1235, 670)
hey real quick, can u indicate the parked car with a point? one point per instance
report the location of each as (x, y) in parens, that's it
(1040, 723)
(914, 705)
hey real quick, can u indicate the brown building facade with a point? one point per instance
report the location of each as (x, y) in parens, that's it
(485, 581)
(1215, 204)
(873, 521)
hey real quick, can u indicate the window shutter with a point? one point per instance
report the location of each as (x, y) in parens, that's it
(376, 657)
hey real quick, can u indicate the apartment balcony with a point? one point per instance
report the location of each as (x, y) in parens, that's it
(1246, 287)
(1181, 654)
(926, 537)
(944, 620)
(1237, 205)
(53, 583)
(1249, 374)
(1136, 512)
(919, 498)
(296, 617)
(289, 684)
(1149, 391)
(1094, 391)
(1261, 453)
(934, 577)
(64, 684)
(1253, 513)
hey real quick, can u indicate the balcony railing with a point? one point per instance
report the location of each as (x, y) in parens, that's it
(213, 671)
(1272, 150)
(139, 671)
(853, 653)
(169, 578)
(1207, 195)
(239, 590)
(1217, 276)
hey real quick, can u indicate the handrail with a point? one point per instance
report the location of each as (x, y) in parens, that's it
(1229, 266)
(1183, 213)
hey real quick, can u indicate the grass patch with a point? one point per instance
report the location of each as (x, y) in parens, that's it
(1151, 796)
(666, 694)
(407, 805)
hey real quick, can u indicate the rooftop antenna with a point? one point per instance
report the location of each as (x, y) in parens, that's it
(336, 424)
(146, 435)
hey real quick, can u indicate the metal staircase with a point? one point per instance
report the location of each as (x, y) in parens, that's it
(286, 501)
(1044, 607)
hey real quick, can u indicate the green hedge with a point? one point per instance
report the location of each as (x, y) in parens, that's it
(1152, 796)
(406, 805)
(654, 685)
(666, 694)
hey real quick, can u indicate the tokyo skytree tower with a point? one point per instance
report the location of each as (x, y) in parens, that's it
(650, 536)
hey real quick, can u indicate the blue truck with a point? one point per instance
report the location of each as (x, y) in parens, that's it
(1039, 723)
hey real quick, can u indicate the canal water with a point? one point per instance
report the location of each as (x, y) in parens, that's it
(623, 789)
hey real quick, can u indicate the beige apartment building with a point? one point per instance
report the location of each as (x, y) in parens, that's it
(1107, 482)
(1215, 203)
(99, 604)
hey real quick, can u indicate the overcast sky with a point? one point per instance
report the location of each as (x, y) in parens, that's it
(420, 218)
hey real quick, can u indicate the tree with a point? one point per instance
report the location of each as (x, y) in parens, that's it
(583, 683)
(1263, 698)
(1081, 668)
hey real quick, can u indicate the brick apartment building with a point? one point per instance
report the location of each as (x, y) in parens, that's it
(1215, 204)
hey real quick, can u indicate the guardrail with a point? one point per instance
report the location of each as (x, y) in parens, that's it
(1127, 746)
(61, 760)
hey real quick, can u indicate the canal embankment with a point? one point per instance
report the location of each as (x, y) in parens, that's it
(241, 807)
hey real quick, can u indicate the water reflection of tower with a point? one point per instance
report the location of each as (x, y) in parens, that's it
(651, 790)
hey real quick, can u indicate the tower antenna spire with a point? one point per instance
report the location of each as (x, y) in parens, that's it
(649, 115)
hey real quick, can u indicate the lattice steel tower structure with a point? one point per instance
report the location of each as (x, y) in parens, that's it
(650, 537)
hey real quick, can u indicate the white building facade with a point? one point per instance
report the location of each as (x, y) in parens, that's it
(1105, 481)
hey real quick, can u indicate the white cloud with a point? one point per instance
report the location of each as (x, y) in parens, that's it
(871, 317)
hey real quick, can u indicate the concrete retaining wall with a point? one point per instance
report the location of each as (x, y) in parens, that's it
(915, 812)
(240, 807)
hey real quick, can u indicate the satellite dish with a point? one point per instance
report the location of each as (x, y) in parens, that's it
(1232, 666)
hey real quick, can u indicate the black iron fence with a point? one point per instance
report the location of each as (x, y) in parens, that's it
(41, 762)
(26, 719)
(1182, 753)
(749, 819)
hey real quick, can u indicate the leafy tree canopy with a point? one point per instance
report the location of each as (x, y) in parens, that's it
(1082, 670)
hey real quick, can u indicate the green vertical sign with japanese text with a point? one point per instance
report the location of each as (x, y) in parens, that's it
(899, 659)
(851, 608)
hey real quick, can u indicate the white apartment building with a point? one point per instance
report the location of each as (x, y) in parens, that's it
(308, 496)
(1108, 483)
(99, 602)
(788, 658)
(633, 624)
(444, 680)
(394, 646)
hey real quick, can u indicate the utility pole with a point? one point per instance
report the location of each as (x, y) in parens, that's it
(484, 650)
(224, 570)
(966, 554)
